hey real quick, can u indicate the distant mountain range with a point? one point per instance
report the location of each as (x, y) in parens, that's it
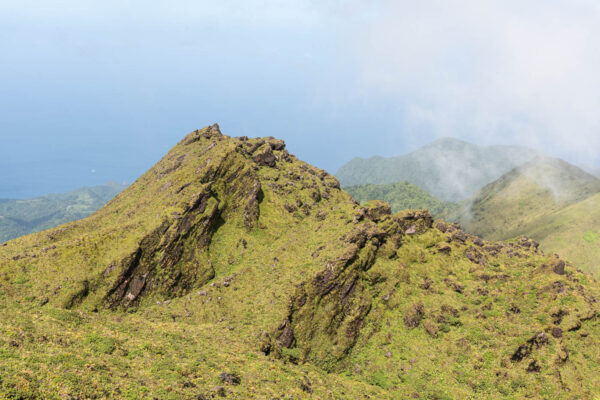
(401, 196)
(21, 217)
(449, 169)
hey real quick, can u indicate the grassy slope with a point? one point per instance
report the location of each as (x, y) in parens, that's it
(573, 232)
(342, 282)
(527, 201)
(20, 217)
(400, 196)
(450, 169)
(464, 344)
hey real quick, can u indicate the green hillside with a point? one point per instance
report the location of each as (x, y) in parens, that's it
(400, 196)
(533, 200)
(573, 232)
(231, 269)
(449, 169)
(20, 217)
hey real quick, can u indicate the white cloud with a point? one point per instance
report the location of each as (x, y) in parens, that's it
(511, 71)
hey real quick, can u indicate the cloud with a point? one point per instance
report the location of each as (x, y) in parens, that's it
(492, 71)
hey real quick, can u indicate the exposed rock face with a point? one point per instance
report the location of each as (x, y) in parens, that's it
(524, 350)
(557, 332)
(333, 305)
(376, 210)
(558, 266)
(264, 156)
(230, 378)
(413, 317)
(230, 188)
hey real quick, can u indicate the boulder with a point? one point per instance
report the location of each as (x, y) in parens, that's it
(264, 156)
(230, 378)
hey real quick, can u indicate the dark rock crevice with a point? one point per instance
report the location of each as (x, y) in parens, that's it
(163, 260)
(173, 259)
(327, 312)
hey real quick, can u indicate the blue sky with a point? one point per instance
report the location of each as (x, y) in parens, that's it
(94, 91)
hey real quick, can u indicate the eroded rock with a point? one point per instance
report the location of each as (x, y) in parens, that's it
(414, 315)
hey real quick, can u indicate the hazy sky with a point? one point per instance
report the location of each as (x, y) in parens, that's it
(93, 91)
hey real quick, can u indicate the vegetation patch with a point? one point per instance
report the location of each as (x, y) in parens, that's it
(591, 237)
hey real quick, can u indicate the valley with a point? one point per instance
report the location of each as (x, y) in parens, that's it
(21, 217)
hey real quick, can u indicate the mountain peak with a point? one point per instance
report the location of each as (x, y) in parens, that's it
(207, 180)
(542, 162)
(568, 182)
(449, 141)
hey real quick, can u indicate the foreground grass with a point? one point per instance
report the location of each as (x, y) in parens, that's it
(56, 354)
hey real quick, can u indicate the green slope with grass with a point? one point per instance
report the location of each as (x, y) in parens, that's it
(232, 269)
(400, 196)
(534, 200)
(21, 217)
(450, 169)
(573, 232)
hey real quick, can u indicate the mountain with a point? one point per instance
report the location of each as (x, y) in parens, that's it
(20, 217)
(534, 200)
(400, 196)
(592, 170)
(231, 269)
(573, 231)
(450, 169)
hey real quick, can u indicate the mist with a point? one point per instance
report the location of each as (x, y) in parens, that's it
(491, 72)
